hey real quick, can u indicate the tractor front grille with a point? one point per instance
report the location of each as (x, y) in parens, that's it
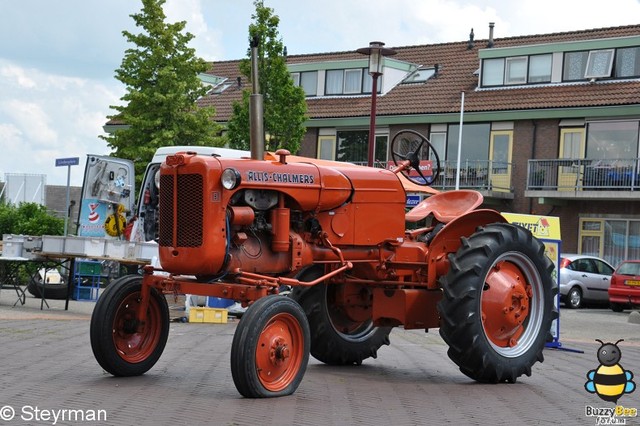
(187, 218)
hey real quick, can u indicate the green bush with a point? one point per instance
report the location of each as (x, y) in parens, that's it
(29, 219)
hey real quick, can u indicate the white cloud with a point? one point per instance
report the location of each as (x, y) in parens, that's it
(54, 117)
(207, 41)
(17, 74)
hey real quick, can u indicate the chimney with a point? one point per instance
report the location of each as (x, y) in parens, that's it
(490, 43)
(470, 43)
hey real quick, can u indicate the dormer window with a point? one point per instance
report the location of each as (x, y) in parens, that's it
(308, 80)
(599, 63)
(516, 70)
(420, 75)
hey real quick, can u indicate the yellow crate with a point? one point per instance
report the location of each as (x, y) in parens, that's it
(208, 315)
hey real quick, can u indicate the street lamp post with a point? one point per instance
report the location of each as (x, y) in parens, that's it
(376, 52)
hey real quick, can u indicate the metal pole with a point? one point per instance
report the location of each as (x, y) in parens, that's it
(460, 142)
(66, 216)
(372, 122)
(256, 107)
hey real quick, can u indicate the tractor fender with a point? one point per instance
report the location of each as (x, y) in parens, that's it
(448, 240)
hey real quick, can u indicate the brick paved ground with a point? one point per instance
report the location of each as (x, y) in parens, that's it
(46, 362)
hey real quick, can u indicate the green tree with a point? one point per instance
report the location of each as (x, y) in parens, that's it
(29, 219)
(162, 86)
(284, 104)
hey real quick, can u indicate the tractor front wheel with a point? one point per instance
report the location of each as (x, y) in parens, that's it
(270, 348)
(121, 344)
(498, 304)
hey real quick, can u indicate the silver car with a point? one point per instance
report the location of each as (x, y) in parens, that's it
(584, 279)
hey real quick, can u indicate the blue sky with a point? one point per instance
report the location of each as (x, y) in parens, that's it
(58, 57)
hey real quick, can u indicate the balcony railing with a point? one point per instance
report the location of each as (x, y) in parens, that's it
(584, 175)
(474, 174)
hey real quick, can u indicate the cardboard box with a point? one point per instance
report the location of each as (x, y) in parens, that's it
(208, 315)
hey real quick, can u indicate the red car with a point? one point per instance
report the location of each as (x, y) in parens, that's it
(624, 291)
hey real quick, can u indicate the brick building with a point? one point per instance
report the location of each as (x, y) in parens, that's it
(550, 122)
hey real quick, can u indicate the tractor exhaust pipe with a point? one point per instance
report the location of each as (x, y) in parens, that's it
(256, 107)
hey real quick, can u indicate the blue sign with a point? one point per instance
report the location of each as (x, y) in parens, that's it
(413, 200)
(72, 161)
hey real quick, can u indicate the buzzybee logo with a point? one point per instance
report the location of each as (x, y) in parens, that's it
(609, 381)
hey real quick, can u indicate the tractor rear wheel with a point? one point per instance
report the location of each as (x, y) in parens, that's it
(121, 345)
(498, 304)
(339, 336)
(270, 348)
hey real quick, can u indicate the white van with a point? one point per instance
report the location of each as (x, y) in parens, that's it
(107, 208)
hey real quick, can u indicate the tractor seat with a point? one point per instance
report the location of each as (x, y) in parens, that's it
(446, 206)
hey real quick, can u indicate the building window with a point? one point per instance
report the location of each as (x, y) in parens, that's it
(614, 240)
(575, 64)
(539, 69)
(334, 82)
(516, 70)
(420, 75)
(475, 142)
(599, 63)
(627, 62)
(353, 146)
(493, 72)
(352, 81)
(439, 142)
(308, 80)
(612, 140)
(309, 83)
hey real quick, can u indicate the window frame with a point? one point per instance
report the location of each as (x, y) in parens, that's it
(529, 66)
(356, 91)
(508, 62)
(592, 61)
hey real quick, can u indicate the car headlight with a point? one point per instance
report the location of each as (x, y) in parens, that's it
(230, 178)
(156, 179)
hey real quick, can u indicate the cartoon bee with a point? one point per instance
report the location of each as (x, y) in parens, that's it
(609, 381)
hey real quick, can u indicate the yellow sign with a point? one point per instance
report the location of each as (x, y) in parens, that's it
(545, 227)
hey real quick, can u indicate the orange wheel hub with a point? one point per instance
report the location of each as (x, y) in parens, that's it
(279, 352)
(505, 304)
(135, 343)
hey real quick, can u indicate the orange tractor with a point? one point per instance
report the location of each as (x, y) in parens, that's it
(337, 235)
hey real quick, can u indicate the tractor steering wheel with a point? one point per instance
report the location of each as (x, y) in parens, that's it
(408, 148)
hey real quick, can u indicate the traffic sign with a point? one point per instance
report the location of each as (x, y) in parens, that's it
(72, 161)
(413, 200)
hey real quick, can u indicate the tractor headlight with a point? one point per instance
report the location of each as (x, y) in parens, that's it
(230, 178)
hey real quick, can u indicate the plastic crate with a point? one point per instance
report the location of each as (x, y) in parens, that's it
(218, 302)
(119, 249)
(208, 315)
(12, 248)
(85, 293)
(88, 268)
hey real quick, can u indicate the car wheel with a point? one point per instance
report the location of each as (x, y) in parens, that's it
(574, 298)
(617, 307)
